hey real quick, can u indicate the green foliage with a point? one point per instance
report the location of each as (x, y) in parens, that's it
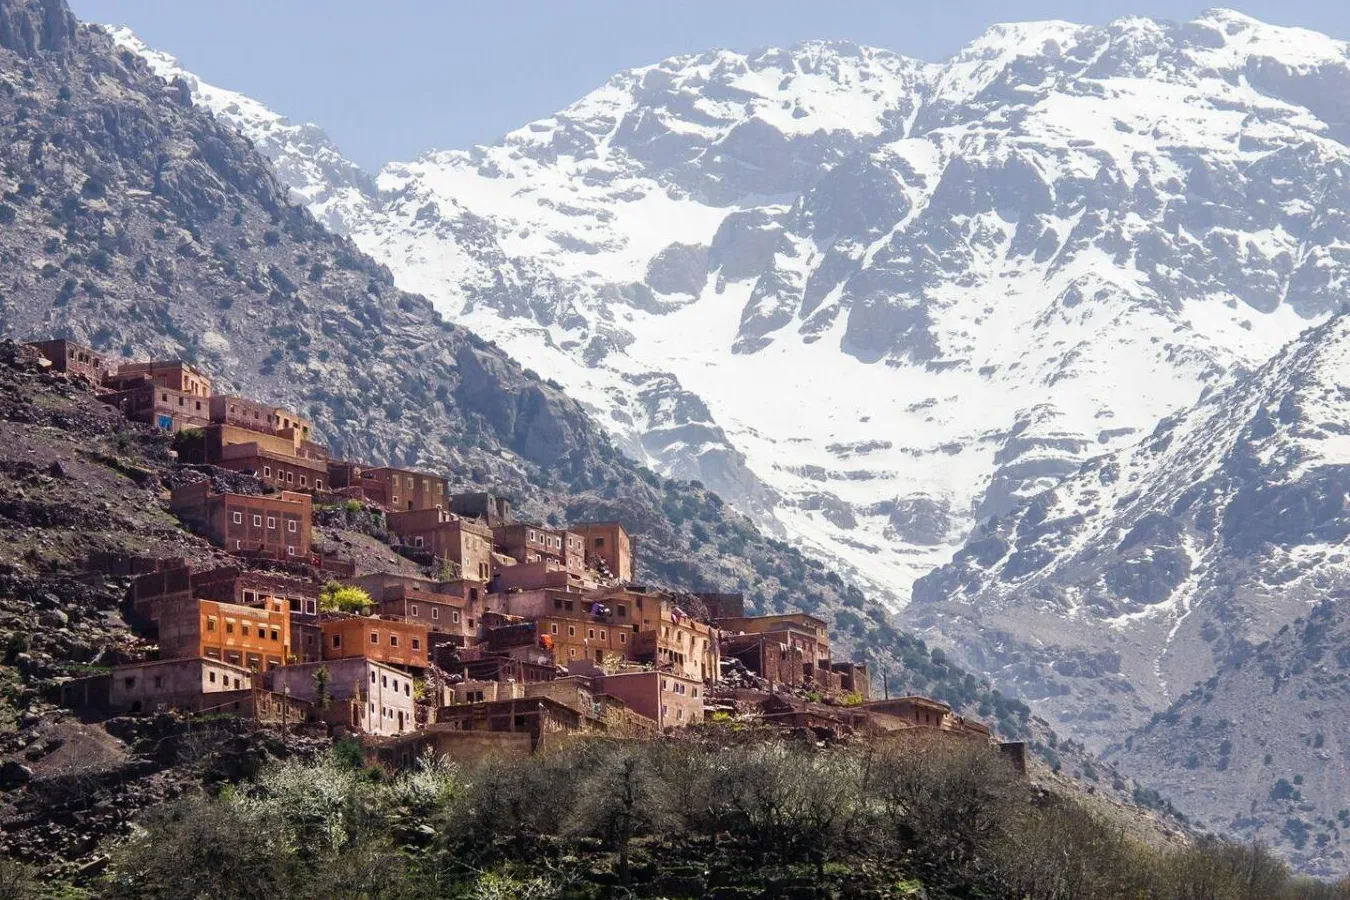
(925, 817)
(321, 687)
(345, 598)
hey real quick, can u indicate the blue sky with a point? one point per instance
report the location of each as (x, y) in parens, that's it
(391, 79)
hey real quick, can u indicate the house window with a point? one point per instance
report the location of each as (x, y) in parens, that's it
(318, 484)
(211, 623)
(372, 677)
(600, 543)
(435, 613)
(271, 521)
(243, 630)
(417, 644)
(621, 610)
(590, 633)
(571, 631)
(419, 541)
(290, 526)
(602, 634)
(454, 616)
(413, 610)
(374, 637)
(553, 628)
(304, 482)
(311, 607)
(239, 518)
(229, 628)
(290, 478)
(159, 681)
(267, 471)
(571, 652)
(393, 640)
(211, 677)
(290, 551)
(337, 641)
(623, 638)
(257, 521)
(276, 634)
(384, 681)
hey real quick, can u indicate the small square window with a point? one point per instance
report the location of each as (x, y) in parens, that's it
(239, 518)
(374, 637)
(393, 640)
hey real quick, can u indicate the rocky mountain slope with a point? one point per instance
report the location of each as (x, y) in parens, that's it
(871, 300)
(1152, 569)
(1260, 747)
(135, 221)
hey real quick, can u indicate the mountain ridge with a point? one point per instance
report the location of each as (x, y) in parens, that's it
(839, 214)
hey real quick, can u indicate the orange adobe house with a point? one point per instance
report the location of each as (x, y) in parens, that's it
(381, 640)
(254, 637)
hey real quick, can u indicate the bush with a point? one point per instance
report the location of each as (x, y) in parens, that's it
(339, 597)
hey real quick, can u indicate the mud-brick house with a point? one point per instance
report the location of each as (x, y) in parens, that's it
(360, 694)
(667, 636)
(143, 401)
(465, 543)
(75, 359)
(379, 639)
(545, 720)
(273, 458)
(254, 588)
(172, 683)
(791, 649)
(254, 637)
(276, 526)
(490, 509)
(607, 543)
(448, 609)
(244, 412)
(530, 544)
(390, 487)
(173, 374)
(901, 713)
(671, 700)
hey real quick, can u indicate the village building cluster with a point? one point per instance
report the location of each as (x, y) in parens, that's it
(514, 634)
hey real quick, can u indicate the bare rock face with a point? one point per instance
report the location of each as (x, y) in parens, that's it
(679, 269)
(28, 27)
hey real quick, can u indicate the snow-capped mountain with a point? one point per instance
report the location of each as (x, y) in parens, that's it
(874, 300)
(1105, 598)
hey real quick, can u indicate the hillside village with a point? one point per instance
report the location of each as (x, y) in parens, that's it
(491, 636)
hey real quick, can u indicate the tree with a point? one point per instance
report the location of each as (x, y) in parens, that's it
(339, 597)
(321, 680)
